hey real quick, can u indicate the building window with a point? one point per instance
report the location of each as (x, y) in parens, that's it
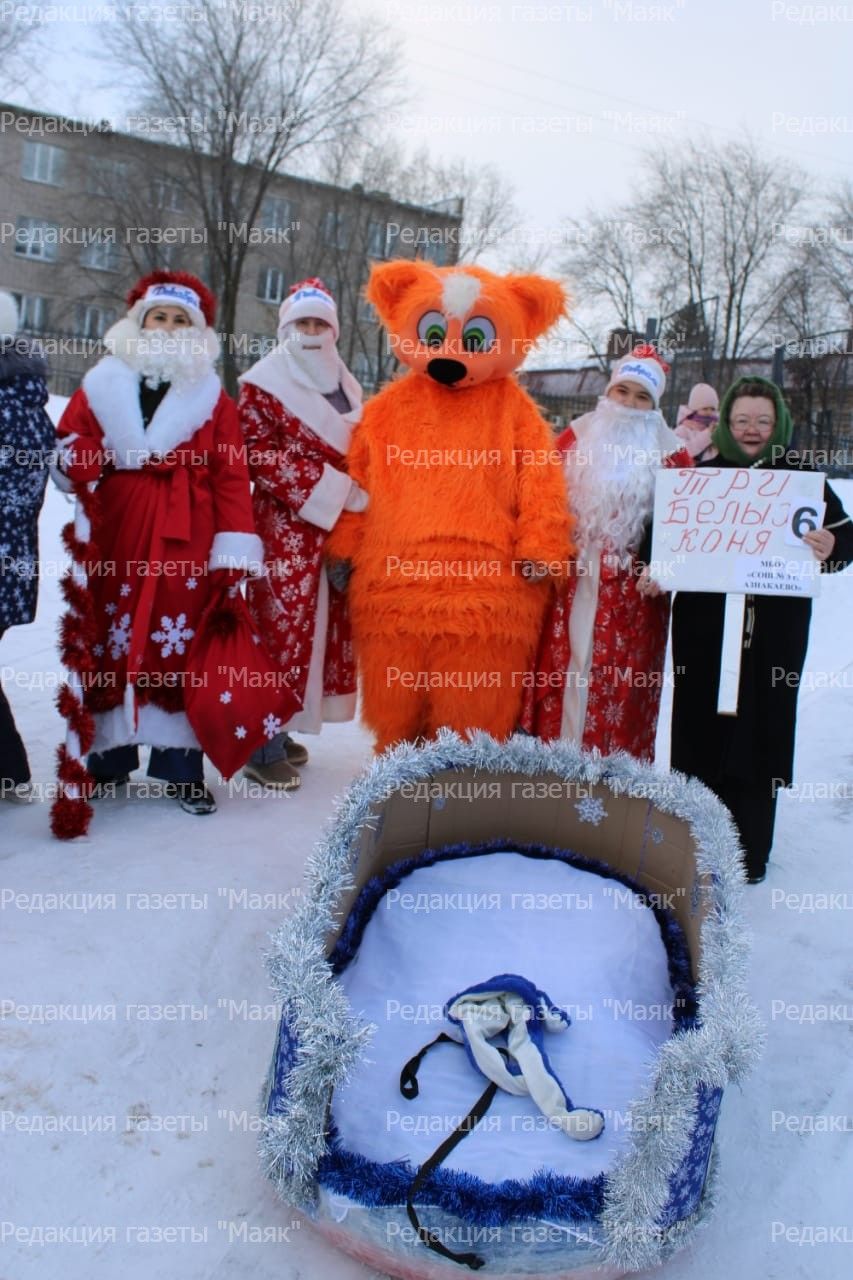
(166, 195)
(108, 177)
(93, 322)
(37, 239)
(165, 256)
(43, 163)
(377, 239)
(336, 229)
(101, 255)
(436, 251)
(270, 284)
(32, 311)
(275, 213)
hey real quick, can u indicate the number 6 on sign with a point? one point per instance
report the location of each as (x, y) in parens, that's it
(804, 519)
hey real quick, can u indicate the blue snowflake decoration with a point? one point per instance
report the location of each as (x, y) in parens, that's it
(686, 1184)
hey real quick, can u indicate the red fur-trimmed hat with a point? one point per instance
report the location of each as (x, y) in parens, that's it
(174, 289)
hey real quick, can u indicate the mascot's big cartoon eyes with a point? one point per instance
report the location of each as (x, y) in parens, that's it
(432, 328)
(479, 334)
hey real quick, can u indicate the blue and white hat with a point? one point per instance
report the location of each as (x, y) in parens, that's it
(170, 294)
(645, 368)
(309, 299)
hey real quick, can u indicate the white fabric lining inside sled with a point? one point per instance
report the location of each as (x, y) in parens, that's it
(585, 939)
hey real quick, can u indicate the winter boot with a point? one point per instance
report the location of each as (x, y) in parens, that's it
(193, 797)
(297, 753)
(281, 776)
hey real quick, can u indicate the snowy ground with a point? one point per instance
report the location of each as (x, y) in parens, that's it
(133, 1130)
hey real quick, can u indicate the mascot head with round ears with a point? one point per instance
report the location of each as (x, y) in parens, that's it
(462, 326)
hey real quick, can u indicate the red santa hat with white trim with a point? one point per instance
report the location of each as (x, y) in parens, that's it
(645, 368)
(172, 289)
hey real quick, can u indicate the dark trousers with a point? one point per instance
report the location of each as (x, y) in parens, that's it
(753, 807)
(14, 765)
(172, 764)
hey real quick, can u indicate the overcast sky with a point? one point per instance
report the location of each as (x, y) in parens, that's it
(565, 97)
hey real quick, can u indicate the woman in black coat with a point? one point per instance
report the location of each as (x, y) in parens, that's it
(747, 757)
(26, 446)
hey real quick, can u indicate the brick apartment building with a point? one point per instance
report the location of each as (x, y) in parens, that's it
(85, 210)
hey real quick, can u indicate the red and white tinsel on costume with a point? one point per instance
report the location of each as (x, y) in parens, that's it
(71, 812)
(600, 665)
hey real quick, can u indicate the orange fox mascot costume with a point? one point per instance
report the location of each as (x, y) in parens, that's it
(467, 519)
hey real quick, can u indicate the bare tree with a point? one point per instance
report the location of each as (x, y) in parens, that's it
(484, 197)
(611, 280)
(706, 225)
(713, 215)
(836, 241)
(242, 95)
(19, 34)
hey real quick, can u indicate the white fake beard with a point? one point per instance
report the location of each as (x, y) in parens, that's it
(611, 476)
(158, 355)
(316, 354)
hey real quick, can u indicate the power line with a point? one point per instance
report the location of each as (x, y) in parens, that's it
(735, 133)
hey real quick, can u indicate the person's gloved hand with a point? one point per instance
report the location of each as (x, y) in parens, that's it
(357, 498)
(698, 440)
(339, 573)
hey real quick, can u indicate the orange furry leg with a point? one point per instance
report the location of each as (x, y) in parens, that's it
(391, 706)
(491, 700)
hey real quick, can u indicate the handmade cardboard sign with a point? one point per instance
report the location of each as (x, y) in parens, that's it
(736, 529)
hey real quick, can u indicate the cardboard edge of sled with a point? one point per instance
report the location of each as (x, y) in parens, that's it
(457, 806)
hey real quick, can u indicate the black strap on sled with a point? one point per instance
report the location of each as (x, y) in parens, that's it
(409, 1089)
(409, 1075)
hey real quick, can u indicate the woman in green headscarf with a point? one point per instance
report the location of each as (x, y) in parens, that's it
(747, 757)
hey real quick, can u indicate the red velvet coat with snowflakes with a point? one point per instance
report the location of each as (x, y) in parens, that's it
(295, 507)
(623, 684)
(171, 502)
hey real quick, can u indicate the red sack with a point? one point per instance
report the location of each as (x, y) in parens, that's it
(235, 696)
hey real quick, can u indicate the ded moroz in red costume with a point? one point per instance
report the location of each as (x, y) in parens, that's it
(600, 666)
(159, 507)
(297, 409)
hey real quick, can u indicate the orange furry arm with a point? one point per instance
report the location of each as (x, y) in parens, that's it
(544, 526)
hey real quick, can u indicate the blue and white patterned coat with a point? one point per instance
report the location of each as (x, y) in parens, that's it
(26, 444)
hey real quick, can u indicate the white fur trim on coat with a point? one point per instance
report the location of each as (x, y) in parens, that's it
(62, 454)
(112, 389)
(279, 375)
(155, 728)
(238, 551)
(326, 500)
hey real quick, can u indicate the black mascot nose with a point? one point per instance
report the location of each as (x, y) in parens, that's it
(447, 372)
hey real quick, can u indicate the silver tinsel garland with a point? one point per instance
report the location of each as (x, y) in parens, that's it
(720, 1049)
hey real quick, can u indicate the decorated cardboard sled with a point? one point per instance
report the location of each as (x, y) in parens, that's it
(512, 997)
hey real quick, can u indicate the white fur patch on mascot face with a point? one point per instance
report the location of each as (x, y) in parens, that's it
(459, 293)
(611, 476)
